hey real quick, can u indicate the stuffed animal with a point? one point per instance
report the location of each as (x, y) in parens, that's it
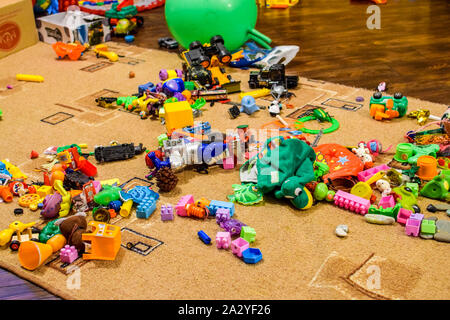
(72, 228)
(364, 154)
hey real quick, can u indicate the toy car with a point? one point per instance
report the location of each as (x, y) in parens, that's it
(388, 107)
(168, 43)
(125, 27)
(117, 152)
(72, 50)
(272, 76)
(101, 50)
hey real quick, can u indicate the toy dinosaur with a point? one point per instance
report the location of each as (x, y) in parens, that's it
(246, 194)
(292, 188)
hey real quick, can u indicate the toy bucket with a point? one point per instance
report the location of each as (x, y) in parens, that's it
(404, 152)
(33, 254)
(427, 167)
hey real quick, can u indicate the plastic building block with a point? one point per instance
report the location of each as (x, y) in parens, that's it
(417, 216)
(166, 212)
(387, 202)
(351, 202)
(223, 240)
(43, 191)
(403, 215)
(252, 255)
(178, 115)
(216, 204)
(248, 233)
(414, 187)
(367, 174)
(228, 163)
(233, 226)
(222, 215)
(204, 237)
(390, 211)
(428, 227)
(238, 246)
(146, 199)
(104, 241)
(68, 254)
(180, 208)
(412, 227)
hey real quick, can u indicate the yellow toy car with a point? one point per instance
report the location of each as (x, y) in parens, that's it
(101, 50)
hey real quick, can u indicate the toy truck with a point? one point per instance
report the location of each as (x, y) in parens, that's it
(388, 107)
(270, 76)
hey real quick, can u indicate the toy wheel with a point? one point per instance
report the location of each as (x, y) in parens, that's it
(130, 245)
(102, 215)
(195, 45)
(205, 61)
(226, 58)
(14, 245)
(377, 95)
(398, 95)
(217, 39)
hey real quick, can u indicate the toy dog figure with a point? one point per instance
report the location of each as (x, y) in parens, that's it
(72, 228)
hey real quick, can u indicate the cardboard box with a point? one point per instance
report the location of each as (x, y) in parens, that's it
(17, 27)
(94, 29)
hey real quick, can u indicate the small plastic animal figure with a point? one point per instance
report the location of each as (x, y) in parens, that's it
(384, 187)
(275, 108)
(364, 154)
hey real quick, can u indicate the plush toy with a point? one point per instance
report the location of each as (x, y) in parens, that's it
(384, 187)
(293, 189)
(364, 154)
(72, 228)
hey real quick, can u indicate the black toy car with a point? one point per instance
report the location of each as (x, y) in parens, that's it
(117, 152)
(274, 75)
(167, 43)
(200, 54)
(75, 180)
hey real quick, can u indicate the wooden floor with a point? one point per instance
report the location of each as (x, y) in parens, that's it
(410, 52)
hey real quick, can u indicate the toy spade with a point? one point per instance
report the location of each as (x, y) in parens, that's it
(363, 189)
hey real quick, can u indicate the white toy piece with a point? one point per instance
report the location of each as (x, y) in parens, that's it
(364, 154)
(384, 187)
(274, 108)
(280, 54)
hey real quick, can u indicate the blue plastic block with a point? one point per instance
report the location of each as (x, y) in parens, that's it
(216, 204)
(144, 87)
(252, 255)
(145, 197)
(204, 237)
(145, 209)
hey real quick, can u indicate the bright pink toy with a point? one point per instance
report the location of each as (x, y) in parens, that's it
(403, 215)
(351, 202)
(413, 227)
(387, 202)
(166, 212)
(238, 246)
(223, 240)
(228, 163)
(68, 254)
(367, 174)
(180, 208)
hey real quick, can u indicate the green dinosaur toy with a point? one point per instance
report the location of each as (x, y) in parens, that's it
(246, 194)
(49, 231)
(438, 187)
(293, 189)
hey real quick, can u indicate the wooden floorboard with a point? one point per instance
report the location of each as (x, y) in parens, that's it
(410, 52)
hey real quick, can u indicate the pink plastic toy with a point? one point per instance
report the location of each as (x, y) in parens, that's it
(166, 212)
(180, 208)
(223, 240)
(413, 227)
(367, 174)
(228, 163)
(351, 202)
(238, 246)
(68, 254)
(97, 186)
(387, 202)
(403, 215)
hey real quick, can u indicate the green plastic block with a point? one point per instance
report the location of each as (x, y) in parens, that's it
(414, 187)
(248, 234)
(161, 139)
(189, 85)
(428, 227)
(390, 212)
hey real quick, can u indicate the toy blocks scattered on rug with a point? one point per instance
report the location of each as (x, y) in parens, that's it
(413, 224)
(238, 246)
(248, 233)
(216, 204)
(403, 215)
(223, 240)
(166, 212)
(351, 202)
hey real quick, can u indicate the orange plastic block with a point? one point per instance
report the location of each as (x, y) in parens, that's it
(104, 241)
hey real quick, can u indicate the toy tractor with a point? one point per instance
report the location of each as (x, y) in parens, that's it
(123, 18)
(274, 75)
(388, 107)
(17, 233)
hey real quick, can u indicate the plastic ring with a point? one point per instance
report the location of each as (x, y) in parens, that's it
(299, 123)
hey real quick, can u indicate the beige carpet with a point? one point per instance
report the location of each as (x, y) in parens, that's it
(302, 258)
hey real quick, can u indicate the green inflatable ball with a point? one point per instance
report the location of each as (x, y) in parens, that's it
(200, 20)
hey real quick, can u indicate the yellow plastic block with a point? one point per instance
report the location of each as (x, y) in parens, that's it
(110, 182)
(44, 191)
(178, 115)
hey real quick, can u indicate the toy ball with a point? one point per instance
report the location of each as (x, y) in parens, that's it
(200, 20)
(129, 38)
(173, 85)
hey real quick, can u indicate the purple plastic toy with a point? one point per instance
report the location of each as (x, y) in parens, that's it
(222, 215)
(233, 226)
(238, 246)
(412, 227)
(52, 205)
(166, 212)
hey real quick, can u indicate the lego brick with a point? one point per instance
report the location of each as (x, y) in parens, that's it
(233, 226)
(387, 202)
(351, 202)
(166, 212)
(180, 208)
(238, 246)
(216, 204)
(68, 254)
(412, 227)
(223, 240)
(248, 233)
(204, 237)
(43, 191)
(178, 115)
(428, 227)
(403, 215)
(222, 215)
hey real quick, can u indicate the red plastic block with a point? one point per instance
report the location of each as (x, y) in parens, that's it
(351, 202)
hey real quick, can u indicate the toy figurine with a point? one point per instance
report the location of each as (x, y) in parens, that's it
(274, 108)
(384, 187)
(364, 154)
